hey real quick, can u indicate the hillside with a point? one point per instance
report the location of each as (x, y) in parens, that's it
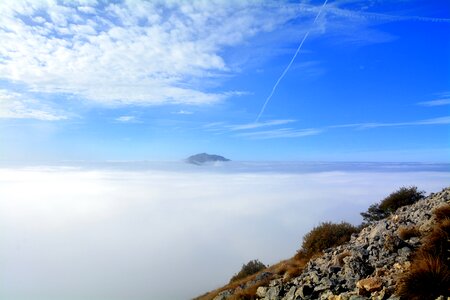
(403, 256)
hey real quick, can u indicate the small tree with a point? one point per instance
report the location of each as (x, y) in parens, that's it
(401, 197)
(374, 213)
(250, 268)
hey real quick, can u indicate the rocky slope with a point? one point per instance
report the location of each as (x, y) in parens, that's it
(367, 267)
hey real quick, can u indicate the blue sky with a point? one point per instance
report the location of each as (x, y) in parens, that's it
(161, 80)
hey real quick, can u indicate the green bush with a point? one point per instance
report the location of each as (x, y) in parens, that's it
(326, 235)
(250, 268)
(401, 197)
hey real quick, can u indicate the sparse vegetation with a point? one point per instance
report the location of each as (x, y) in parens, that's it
(437, 243)
(407, 232)
(290, 268)
(287, 269)
(443, 212)
(250, 268)
(401, 197)
(429, 276)
(326, 235)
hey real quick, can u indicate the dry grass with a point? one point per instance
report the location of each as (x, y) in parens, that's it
(238, 284)
(437, 243)
(231, 286)
(250, 292)
(443, 212)
(429, 275)
(290, 268)
(407, 232)
(286, 269)
(428, 278)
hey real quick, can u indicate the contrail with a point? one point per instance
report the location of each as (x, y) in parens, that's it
(289, 65)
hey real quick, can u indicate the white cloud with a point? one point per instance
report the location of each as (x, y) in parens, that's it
(130, 52)
(146, 52)
(17, 106)
(438, 102)
(183, 112)
(114, 234)
(87, 9)
(126, 119)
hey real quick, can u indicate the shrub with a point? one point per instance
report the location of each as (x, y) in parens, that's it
(250, 268)
(374, 213)
(326, 235)
(401, 197)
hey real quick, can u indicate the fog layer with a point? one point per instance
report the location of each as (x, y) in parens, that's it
(111, 233)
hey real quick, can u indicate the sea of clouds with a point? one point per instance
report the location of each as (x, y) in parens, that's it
(170, 230)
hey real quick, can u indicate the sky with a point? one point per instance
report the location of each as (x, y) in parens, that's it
(124, 233)
(161, 80)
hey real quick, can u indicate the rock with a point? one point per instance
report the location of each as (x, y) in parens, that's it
(314, 277)
(378, 229)
(304, 291)
(325, 284)
(261, 291)
(263, 276)
(334, 269)
(357, 297)
(272, 293)
(290, 295)
(276, 282)
(355, 268)
(223, 295)
(326, 295)
(336, 297)
(369, 285)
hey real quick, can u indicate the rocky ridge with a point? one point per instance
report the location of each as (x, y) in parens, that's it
(367, 267)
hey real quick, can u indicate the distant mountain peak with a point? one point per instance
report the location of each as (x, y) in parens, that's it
(201, 158)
